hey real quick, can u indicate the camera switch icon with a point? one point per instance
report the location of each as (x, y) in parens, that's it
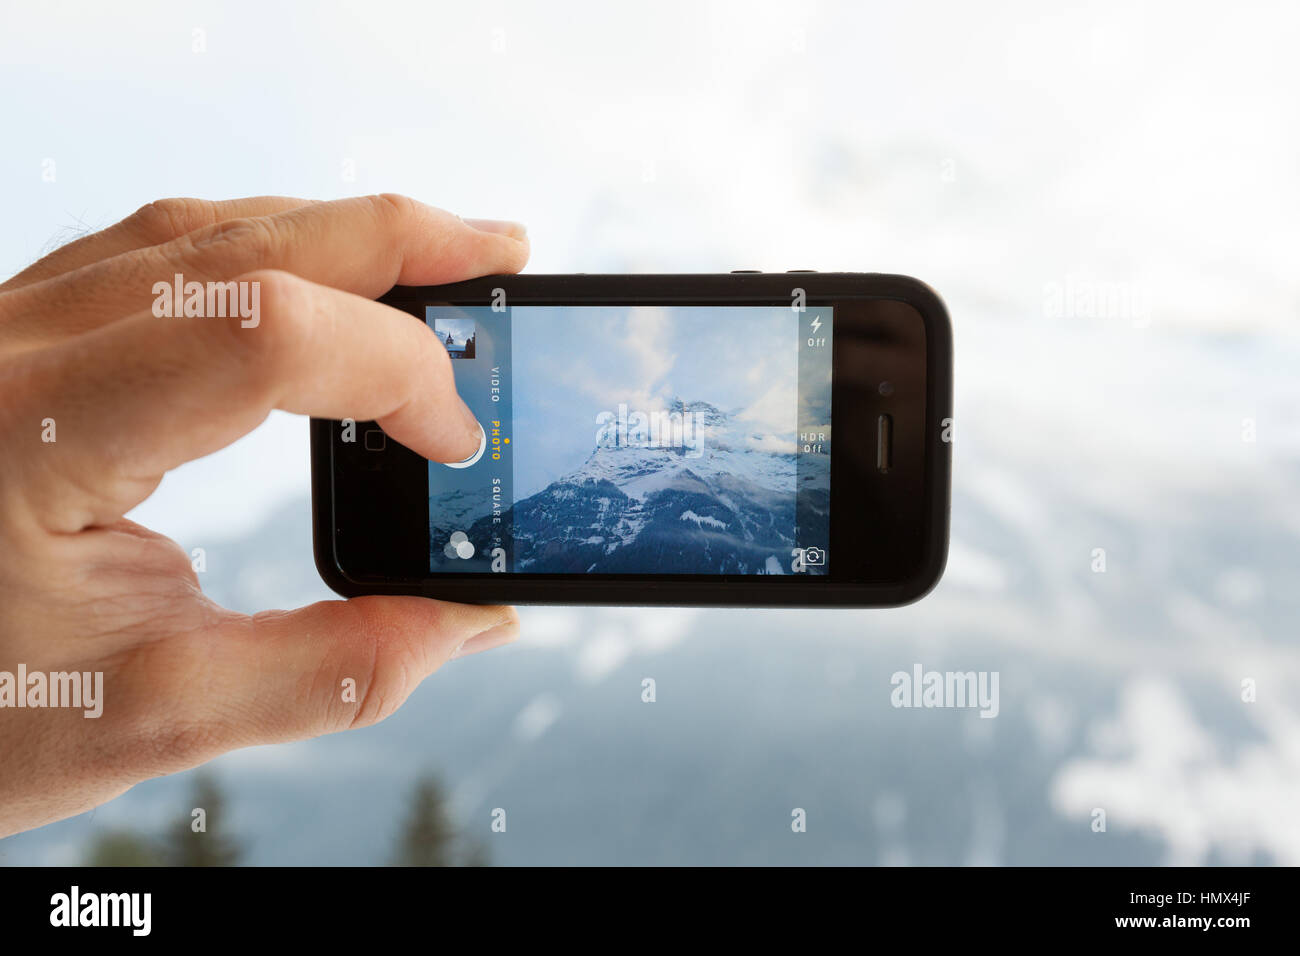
(804, 558)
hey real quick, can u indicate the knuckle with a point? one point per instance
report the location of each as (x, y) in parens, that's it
(393, 207)
(386, 666)
(235, 244)
(172, 560)
(166, 219)
(384, 692)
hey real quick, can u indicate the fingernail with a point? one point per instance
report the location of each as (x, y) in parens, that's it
(474, 434)
(501, 227)
(492, 637)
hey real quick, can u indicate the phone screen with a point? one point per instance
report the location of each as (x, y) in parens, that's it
(690, 440)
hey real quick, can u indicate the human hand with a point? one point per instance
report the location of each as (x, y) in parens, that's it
(99, 397)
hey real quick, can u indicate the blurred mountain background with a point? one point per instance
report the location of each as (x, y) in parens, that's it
(1107, 198)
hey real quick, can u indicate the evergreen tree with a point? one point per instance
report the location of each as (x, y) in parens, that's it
(476, 854)
(212, 846)
(429, 838)
(123, 848)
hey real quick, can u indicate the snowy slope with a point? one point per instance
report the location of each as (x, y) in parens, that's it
(729, 510)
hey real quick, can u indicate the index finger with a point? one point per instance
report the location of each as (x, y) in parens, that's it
(364, 245)
(152, 224)
(142, 396)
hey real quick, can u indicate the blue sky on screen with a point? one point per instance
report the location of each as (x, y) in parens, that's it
(572, 364)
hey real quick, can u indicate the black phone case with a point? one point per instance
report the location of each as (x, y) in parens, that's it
(736, 591)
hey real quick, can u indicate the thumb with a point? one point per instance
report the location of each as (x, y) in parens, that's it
(336, 665)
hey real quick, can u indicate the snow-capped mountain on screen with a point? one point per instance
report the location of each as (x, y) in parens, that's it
(726, 508)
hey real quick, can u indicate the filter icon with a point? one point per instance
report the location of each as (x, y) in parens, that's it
(459, 546)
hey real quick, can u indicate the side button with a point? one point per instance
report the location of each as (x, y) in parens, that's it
(884, 443)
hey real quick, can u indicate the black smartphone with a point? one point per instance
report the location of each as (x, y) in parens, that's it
(661, 440)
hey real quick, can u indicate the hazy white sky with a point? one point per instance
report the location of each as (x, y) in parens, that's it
(999, 151)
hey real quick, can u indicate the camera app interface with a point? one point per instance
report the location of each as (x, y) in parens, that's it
(637, 440)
